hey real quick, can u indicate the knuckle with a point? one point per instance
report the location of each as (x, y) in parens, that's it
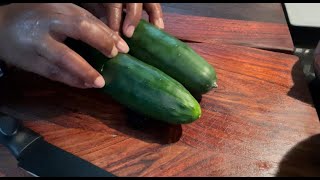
(86, 28)
(53, 72)
(81, 25)
(107, 42)
(75, 82)
(59, 62)
(112, 35)
(62, 57)
(157, 11)
(89, 16)
(92, 74)
(107, 47)
(40, 46)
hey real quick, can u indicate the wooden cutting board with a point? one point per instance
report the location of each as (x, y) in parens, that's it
(250, 124)
(269, 36)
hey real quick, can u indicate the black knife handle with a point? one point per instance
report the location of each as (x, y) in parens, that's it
(14, 136)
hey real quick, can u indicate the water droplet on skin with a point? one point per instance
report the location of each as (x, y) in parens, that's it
(102, 68)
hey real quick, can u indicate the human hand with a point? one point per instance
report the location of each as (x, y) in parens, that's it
(111, 14)
(32, 38)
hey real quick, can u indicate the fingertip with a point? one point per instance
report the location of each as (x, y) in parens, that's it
(99, 82)
(123, 46)
(159, 23)
(129, 31)
(113, 52)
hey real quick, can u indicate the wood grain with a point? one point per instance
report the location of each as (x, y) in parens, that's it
(259, 113)
(261, 12)
(269, 36)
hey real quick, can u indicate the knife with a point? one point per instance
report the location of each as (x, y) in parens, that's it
(40, 158)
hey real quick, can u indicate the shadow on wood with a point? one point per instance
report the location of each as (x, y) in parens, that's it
(168, 133)
(302, 160)
(299, 80)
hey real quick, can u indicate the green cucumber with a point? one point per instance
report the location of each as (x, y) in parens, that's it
(145, 89)
(173, 57)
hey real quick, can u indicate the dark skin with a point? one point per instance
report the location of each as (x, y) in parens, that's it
(111, 14)
(34, 35)
(317, 59)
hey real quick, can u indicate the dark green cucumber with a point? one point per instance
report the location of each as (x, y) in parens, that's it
(172, 56)
(145, 89)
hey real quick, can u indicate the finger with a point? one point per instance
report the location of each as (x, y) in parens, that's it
(133, 16)
(55, 73)
(118, 41)
(113, 15)
(155, 14)
(89, 31)
(66, 59)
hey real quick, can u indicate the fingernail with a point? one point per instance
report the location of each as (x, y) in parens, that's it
(159, 23)
(114, 52)
(99, 82)
(130, 31)
(122, 46)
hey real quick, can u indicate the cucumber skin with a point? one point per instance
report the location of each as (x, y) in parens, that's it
(145, 89)
(172, 56)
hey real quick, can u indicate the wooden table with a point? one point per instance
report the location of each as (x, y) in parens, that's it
(260, 121)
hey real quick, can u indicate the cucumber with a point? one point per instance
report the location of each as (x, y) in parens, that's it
(145, 89)
(173, 57)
